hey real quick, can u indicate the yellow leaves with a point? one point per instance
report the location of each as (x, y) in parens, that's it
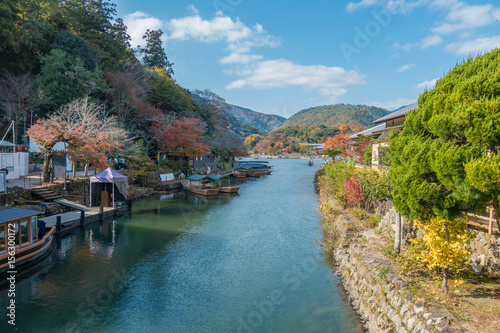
(435, 251)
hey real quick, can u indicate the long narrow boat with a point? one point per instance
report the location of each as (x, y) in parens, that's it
(239, 173)
(195, 185)
(223, 188)
(200, 189)
(20, 240)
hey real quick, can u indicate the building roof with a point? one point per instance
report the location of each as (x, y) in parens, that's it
(8, 214)
(369, 131)
(397, 113)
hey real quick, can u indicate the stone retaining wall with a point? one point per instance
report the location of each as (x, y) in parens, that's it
(382, 299)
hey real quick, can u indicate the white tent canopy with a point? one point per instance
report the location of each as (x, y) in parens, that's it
(101, 180)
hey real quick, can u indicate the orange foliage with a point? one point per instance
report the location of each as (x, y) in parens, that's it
(183, 137)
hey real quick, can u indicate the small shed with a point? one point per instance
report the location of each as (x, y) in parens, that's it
(105, 185)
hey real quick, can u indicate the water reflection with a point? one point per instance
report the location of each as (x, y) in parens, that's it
(185, 263)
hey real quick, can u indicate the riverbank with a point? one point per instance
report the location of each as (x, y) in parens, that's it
(286, 156)
(385, 299)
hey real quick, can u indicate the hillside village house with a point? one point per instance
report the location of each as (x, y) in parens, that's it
(392, 121)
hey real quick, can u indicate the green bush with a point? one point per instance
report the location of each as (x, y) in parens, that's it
(174, 165)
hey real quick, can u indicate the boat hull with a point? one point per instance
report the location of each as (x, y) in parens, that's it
(229, 189)
(200, 189)
(239, 174)
(28, 253)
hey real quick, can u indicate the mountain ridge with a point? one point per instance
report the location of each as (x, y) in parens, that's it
(337, 114)
(262, 121)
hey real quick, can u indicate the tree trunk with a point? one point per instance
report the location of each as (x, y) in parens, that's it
(47, 157)
(397, 236)
(74, 169)
(496, 207)
(86, 169)
(444, 286)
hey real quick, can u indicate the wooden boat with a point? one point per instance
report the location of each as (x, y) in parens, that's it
(229, 189)
(239, 173)
(199, 188)
(223, 188)
(252, 173)
(21, 239)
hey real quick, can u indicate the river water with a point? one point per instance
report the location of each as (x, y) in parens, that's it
(249, 263)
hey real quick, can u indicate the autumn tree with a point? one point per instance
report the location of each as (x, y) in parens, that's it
(444, 246)
(183, 137)
(46, 133)
(339, 142)
(91, 134)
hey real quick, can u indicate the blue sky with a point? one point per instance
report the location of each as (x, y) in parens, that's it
(284, 56)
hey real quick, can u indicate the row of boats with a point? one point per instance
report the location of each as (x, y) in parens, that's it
(210, 185)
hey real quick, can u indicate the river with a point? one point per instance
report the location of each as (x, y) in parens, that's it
(249, 263)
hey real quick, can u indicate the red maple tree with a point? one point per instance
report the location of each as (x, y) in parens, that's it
(46, 133)
(183, 137)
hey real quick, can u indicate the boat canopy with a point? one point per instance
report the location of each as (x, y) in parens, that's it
(218, 177)
(254, 166)
(196, 177)
(253, 162)
(10, 214)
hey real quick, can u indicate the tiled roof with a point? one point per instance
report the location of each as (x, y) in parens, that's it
(369, 131)
(397, 113)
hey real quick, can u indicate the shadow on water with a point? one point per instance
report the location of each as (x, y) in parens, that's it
(184, 263)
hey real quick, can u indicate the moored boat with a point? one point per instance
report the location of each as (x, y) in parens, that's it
(200, 189)
(223, 188)
(22, 239)
(239, 173)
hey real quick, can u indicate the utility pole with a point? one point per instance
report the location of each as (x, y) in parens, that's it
(14, 135)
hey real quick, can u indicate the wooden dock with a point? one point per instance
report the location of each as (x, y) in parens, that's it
(78, 218)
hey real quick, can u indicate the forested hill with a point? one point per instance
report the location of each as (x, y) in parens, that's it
(338, 114)
(263, 122)
(53, 53)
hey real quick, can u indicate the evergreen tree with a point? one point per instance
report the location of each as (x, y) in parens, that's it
(445, 160)
(154, 54)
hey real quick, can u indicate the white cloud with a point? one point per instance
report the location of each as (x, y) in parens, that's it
(330, 81)
(462, 17)
(239, 58)
(220, 28)
(240, 38)
(192, 9)
(404, 68)
(425, 43)
(394, 104)
(429, 41)
(427, 84)
(137, 24)
(354, 6)
(475, 46)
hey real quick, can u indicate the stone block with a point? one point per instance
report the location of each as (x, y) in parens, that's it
(418, 307)
(404, 309)
(412, 322)
(396, 302)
